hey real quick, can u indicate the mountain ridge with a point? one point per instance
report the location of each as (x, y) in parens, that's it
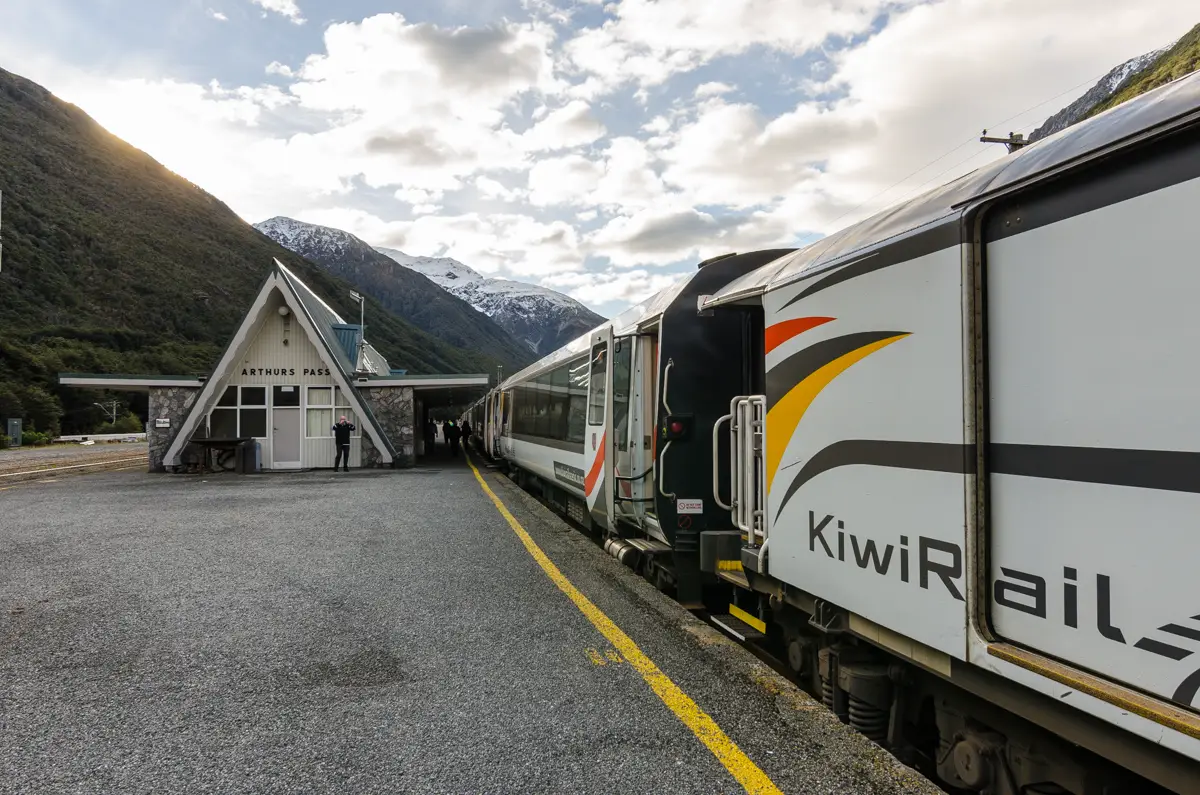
(1126, 81)
(402, 291)
(113, 263)
(541, 318)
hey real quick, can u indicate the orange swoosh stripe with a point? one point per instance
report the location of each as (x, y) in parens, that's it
(784, 417)
(593, 474)
(780, 333)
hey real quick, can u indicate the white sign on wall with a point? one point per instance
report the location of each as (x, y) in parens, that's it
(162, 422)
(689, 506)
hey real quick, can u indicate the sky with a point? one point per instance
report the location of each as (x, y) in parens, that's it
(598, 148)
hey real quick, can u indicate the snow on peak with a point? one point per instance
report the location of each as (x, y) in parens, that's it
(300, 236)
(542, 318)
(441, 270)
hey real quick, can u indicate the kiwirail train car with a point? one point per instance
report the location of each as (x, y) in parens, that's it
(946, 461)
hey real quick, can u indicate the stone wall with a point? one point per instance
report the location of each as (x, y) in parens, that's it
(171, 403)
(393, 409)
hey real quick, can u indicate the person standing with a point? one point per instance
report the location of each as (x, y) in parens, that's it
(452, 434)
(430, 436)
(466, 434)
(341, 438)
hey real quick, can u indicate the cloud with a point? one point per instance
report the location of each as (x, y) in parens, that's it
(287, 8)
(512, 245)
(611, 287)
(564, 128)
(489, 188)
(217, 15)
(609, 145)
(660, 235)
(648, 41)
(563, 180)
(706, 90)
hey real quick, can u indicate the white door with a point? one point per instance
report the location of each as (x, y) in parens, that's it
(285, 427)
(598, 443)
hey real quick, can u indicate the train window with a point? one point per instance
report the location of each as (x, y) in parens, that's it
(599, 378)
(520, 410)
(559, 399)
(542, 422)
(622, 363)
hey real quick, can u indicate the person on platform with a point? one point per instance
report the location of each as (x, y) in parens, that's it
(430, 436)
(466, 433)
(341, 438)
(453, 432)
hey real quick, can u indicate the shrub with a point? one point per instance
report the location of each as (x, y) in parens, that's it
(4, 442)
(127, 424)
(37, 438)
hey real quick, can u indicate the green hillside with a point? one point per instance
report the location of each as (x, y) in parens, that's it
(112, 263)
(1180, 60)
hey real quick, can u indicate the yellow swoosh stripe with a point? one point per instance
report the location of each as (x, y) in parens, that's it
(785, 416)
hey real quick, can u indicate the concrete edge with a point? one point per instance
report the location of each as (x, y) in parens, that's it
(884, 772)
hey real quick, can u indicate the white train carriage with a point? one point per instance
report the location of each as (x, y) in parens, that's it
(591, 425)
(981, 449)
(948, 459)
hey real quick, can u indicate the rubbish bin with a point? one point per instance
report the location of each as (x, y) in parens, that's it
(249, 457)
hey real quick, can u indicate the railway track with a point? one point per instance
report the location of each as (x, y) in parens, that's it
(100, 465)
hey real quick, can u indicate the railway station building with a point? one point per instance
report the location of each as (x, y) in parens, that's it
(292, 368)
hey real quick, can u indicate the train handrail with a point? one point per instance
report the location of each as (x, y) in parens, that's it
(662, 458)
(716, 468)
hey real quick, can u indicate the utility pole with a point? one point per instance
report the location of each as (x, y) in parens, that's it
(110, 408)
(1014, 141)
(362, 328)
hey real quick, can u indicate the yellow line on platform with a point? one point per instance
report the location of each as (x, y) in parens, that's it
(748, 774)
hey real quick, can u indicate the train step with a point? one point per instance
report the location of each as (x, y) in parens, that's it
(737, 628)
(649, 546)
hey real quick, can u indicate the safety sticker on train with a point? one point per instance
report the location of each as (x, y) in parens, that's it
(689, 506)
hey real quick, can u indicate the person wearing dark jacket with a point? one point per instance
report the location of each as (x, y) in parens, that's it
(341, 438)
(466, 433)
(452, 434)
(430, 436)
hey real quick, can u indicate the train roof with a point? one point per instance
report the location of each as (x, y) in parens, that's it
(1153, 113)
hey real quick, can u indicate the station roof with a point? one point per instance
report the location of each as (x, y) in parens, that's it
(129, 382)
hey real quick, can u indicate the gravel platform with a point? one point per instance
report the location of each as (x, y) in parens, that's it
(371, 631)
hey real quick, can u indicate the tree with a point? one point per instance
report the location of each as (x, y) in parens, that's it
(43, 411)
(10, 405)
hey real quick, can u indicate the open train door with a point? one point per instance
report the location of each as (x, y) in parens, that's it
(597, 441)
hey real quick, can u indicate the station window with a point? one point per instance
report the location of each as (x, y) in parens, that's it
(325, 404)
(240, 412)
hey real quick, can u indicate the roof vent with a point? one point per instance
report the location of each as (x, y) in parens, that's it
(711, 260)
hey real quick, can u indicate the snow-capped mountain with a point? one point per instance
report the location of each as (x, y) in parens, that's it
(404, 291)
(1105, 88)
(541, 318)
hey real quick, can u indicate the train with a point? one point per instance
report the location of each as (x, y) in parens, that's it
(945, 461)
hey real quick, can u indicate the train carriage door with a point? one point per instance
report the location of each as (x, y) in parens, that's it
(598, 442)
(632, 462)
(634, 363)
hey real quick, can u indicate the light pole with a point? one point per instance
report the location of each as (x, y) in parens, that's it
(362, 328)
(110, 408)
